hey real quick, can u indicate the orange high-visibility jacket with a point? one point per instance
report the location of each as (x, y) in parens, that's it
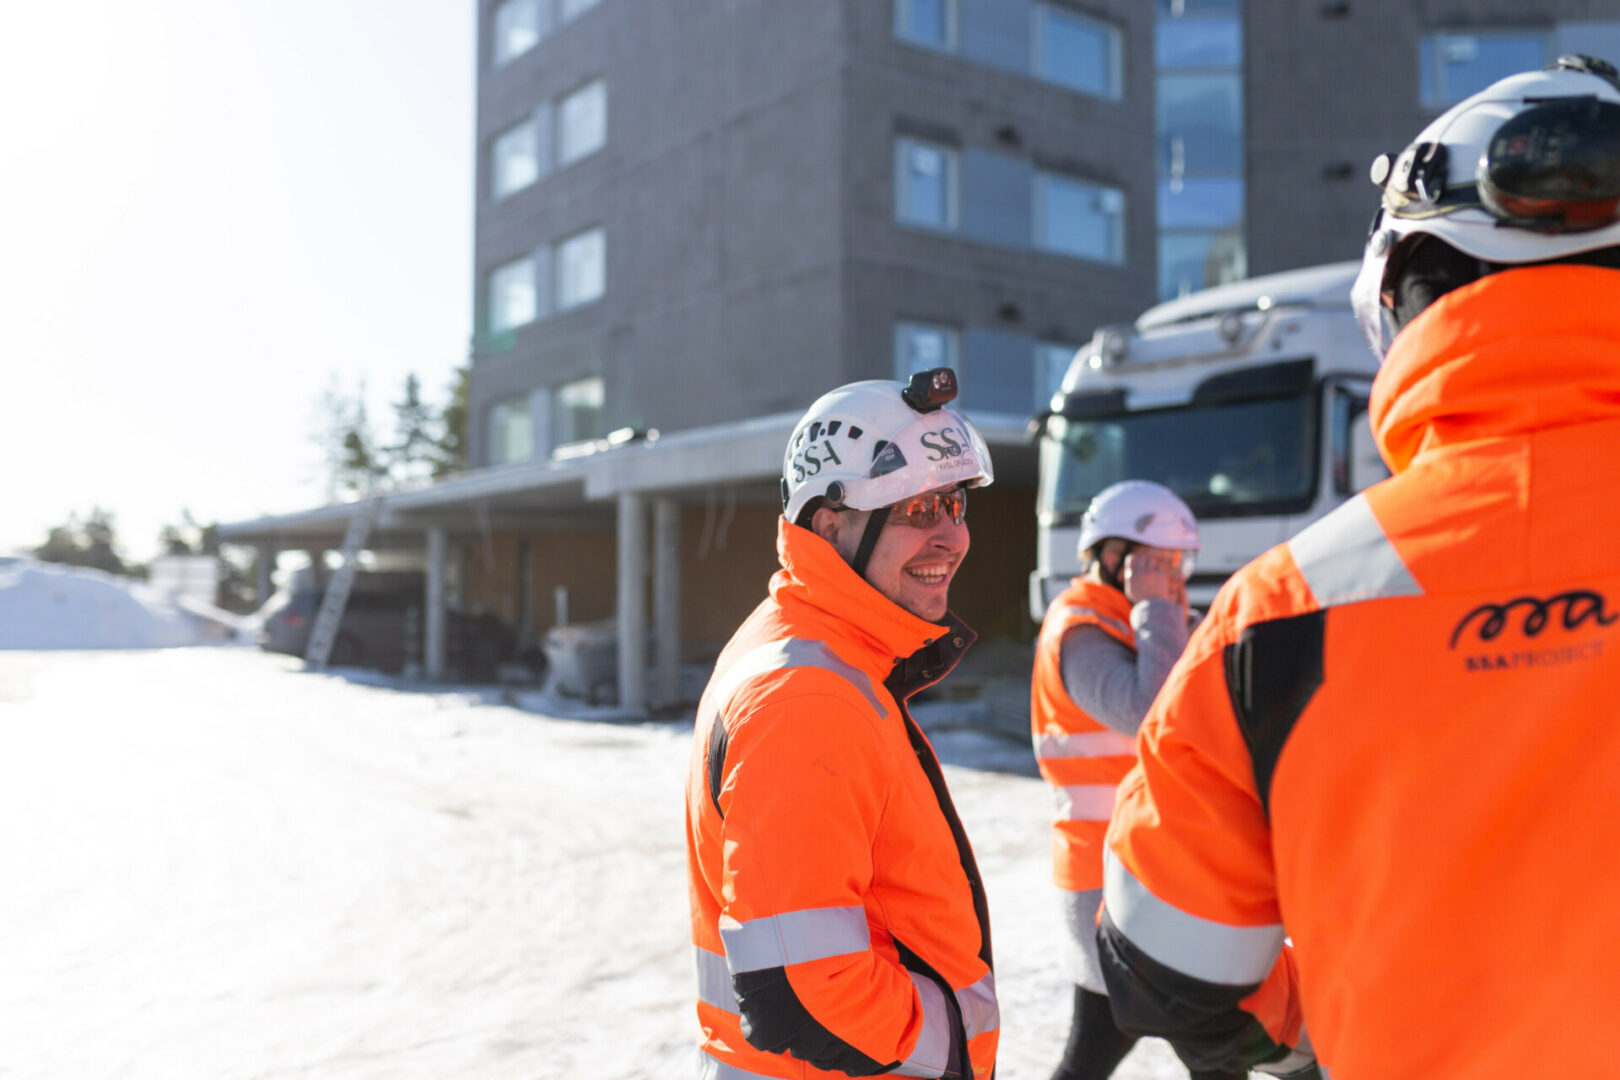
(839, 922)
(1082, 759)
(1396, 735)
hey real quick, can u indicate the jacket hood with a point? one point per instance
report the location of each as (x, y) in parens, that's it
(1510, 354)
(814, 574)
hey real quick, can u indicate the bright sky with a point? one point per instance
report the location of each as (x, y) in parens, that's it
(209, 209)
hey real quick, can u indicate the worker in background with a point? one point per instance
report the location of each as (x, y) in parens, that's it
(1395, 733)
(1106, 646)
(838, 916)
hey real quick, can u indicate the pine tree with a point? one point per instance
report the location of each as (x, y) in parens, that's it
(452, 448)
(413, 455)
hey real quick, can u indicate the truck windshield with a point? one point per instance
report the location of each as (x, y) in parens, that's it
(1227, 459)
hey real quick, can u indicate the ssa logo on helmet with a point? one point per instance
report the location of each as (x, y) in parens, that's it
(947, 442)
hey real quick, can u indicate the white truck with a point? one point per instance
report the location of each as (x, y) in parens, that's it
(1248, 400)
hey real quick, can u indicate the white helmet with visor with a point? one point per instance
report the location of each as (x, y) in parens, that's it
(1525, 171)
(872, 444)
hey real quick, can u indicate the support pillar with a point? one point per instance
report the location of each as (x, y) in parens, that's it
(433, 607)
(264, 566)
(667, 600)
(632, 602)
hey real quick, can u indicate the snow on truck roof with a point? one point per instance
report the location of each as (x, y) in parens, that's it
(1316, 286)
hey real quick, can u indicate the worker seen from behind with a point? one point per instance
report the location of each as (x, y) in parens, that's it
(1395, 733)
(1107, 643)
(838, 918)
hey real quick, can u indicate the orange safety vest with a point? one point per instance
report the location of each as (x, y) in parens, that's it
(1395, 735)
(1083, 760)
(837, 913)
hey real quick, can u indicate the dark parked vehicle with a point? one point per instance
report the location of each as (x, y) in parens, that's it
(383, 627)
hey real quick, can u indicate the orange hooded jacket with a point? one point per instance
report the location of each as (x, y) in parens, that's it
(1395, 734)
(838, 918)
(1081, 758)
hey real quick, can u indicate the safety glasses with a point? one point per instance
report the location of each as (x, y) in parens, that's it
(923, 511)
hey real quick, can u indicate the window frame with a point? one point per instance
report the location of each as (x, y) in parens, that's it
(561, 408)
(497, 57)
(950, 17)
(1040, 12)
(1041, 217)
(951, 335)
(532, 129)
(950, 196)
(564, 159)
(500, 418)
(1435, 39)
(493, 295)
(562, 298)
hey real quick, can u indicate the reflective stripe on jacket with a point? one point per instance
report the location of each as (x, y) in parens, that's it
(1083, 760)
(1395, 734)
(837, 912)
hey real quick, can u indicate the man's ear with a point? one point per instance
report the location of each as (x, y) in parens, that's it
(828, 524)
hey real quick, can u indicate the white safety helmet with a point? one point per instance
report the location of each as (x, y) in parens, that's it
(871, 444)
(1524, 171)
(1143, 513)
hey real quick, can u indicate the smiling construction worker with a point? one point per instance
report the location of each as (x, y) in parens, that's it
(1393, 739)
(838, 918)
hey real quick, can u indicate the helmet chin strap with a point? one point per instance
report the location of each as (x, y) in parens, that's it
(869, 539)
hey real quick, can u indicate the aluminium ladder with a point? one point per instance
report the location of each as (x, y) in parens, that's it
(336, 596)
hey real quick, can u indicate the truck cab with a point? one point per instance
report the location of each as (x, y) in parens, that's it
(1248, 400)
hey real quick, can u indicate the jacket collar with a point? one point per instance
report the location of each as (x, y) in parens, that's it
(891, 639)
(1510, 354)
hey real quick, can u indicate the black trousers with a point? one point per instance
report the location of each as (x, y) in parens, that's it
(1096, 1046)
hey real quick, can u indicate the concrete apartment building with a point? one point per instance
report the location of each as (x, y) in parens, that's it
(695, 216)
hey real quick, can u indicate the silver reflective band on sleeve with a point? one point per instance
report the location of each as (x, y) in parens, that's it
(1090, 744)
(791, 653)
(933, 1050)
(1202, 948)
(794, 937)
(714, 981)
(980, 1013)
(1346, 558)
(1085, 802)
(711, 1068)
(1107, 620)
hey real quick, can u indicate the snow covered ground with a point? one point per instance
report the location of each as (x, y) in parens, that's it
(221, 866)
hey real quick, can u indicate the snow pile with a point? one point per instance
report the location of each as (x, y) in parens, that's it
(48, 606)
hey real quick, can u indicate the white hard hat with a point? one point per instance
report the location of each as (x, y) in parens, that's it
(1142, 512)
(1524, 171)
(868, 445)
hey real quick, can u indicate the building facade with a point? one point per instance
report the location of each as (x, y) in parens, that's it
(695, 216)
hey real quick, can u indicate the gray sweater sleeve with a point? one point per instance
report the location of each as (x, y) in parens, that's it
(1109, 681)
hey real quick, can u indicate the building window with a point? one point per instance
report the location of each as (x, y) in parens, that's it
(929, 23)
(512, 296)
(1078, 52)
(517, 29)
(514, 160)
(573, 9)
(582, 122)
(1454, 66)
(511, 434)
(1074, 217)
(579, 410)
(920, 346)
(925, 185)
(581, 269)
(1051, 364)
(1198, 49)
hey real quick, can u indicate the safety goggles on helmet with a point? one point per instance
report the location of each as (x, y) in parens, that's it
(923, 511)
